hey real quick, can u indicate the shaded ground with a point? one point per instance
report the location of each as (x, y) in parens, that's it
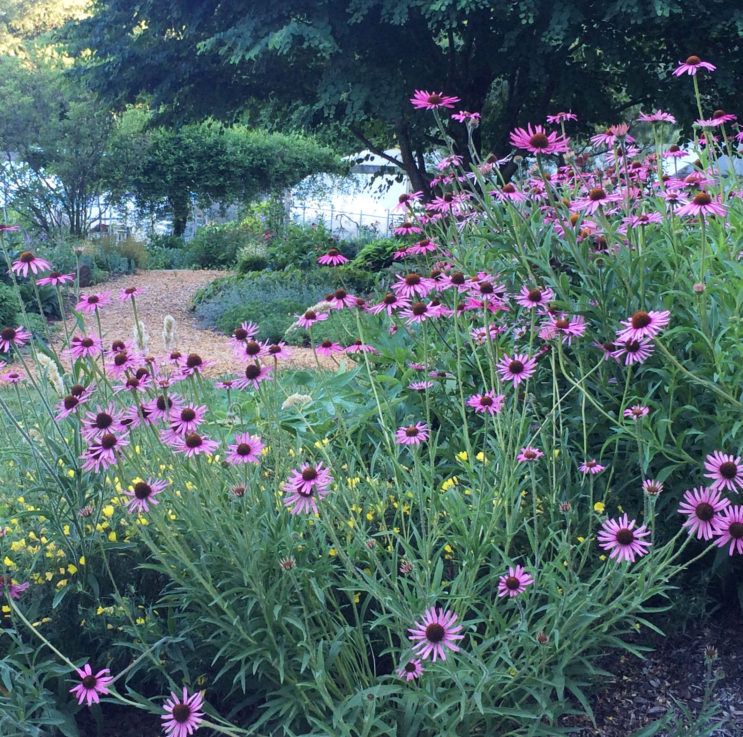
(170, 293)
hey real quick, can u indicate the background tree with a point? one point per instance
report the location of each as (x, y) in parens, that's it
(355, 63)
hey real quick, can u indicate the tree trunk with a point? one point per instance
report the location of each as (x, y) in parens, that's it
(180, 205)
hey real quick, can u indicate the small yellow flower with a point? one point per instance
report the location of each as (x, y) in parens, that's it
(332, 552)
(108, 511)
(481, 457)
(599, 507)
(462, 456)
(71, 569)
(112, 536)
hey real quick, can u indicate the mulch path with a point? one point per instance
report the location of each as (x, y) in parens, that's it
(170, 293)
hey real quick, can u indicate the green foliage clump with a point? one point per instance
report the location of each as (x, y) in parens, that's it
(377, 254)
(299, 246)
(217, 246)
(10, 305)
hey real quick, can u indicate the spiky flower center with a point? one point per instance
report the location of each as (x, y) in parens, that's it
(77, 390)
(163, 402)
(103, 420)
(326, 343)
(435, 632)
(253, 371)
(108, 441)
(728, 470)
(457, 278)
(273, 349)
(486, 401)
(193, 440)
(181, 713)
(240, 333)
(434, 99)
(597, 194)
(702, 199)
(89, 682)
(87, 342)
(120, 358)
(244, 449)
(562, 323)
(142, 490)
(515, 367)
(530, 455)
(632, 346)
(333, 252)
(508, 189)
(735, 530)
(71, 401)
(132, 382)
(640, 320)
(513, 583)
(625, 537)
(340, 294)
(26, 257)
(704, 511)
(193, 360)
(252, 348)
(130, 290)
(535, 295)
(7, 334)
(419, 308)
(411, 431)
(188, 415)
(412, 280)
(410, 667)
(539, 140)
(693, 61)
(309, 474)
(93, 299)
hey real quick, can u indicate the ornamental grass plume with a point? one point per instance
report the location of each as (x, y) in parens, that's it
(51, 372)
(169, 333)
(141, 337)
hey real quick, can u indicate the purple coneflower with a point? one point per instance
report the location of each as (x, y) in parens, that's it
(643, 325)
(412, 434)
(514, 582)
(12, 377)
(489, 402)
(27, 261)
(278, 351)
(332, 258)
(464, 115)
(310, 318)
(91, 302)
(622, 539)
(104, 452)
(254, 375)
(182, 714)
(120, 363)
(246, 331)
(85, 346)
(536, 297)
(358, 346)
(702, 507)
(536, 140)
(692, 65)
(725, 471)
(91, 687)
(728, 528)
(56, 279)
(250, 350)
(328, 348)
(425, 100)
(78, 395)
(413, 668)
(516, 369)
(657, 117)
(420, 386)
(592, 466)
(636, 411)
(529, 454)
(412, 285)
(701, 204)
(102, 420)
(247, 449)
(129, 293)
(634, 351)
(652, 487)
(436, 632)
(389, 303)
(417, 312)
(13, 337)
(14, 589)
(192, 444)
(184, 420)
(305, 486)
(596, 198)
(561, 117)
(142, 494)
(567, 327)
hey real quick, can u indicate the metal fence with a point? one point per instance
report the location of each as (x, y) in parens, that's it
(346, 224)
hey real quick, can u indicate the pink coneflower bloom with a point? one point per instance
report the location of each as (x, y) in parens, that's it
(161, 406)
(8, 228)
(413, 668)
(622, 539)
(404, 200)
(727, 527)
(488, 402)
(90, 302)
(447, 162)
(91, 687)
(142, 494)
(332, 258)
(610, 136)
(408, 227)
(425, 100)
(516, 369)
(725, 471)
(592, 466)
(456, 280)
(701, 204)
(358, 346)
(412, 434)
(643, 325)
(254, 375)
(225, 384)
(436, 632)
(529, 454)
(569, 328)
(250, 350)
(137, 383)
(13, 337)
(129, 293)
(102, 420)
(184, 420)
(12, 377)
(537, 141)
(420, 386)
(481, 335)
(674, 152)
(640, 221)
(246, 331)
(389, 303)
(692, 65)
(514, 582)
(537, 297)
(193, 364)
(465, 115)
(328, 348)
(596, 198)
(104, 452)
(14, 589)
(636, 411)
(562, 117)
(306, 485)
(652, 487)
(721, 117)
(412, 285)
(425, 245)
(247, 449)
(137, 414)
(56, 279)
(27, 261)
(192, 444)
(121, 362)
(84, 346)
(278, 351)
(310, 318)
(417, 312)
(340, 299)
(634, 351)
(702, 506)
(182, 714)
(73, 400)
(508, 192)
(657, 117)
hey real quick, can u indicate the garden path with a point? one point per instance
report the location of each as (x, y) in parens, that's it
(170, 293)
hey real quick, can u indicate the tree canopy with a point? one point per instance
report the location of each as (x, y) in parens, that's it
(357, 62)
